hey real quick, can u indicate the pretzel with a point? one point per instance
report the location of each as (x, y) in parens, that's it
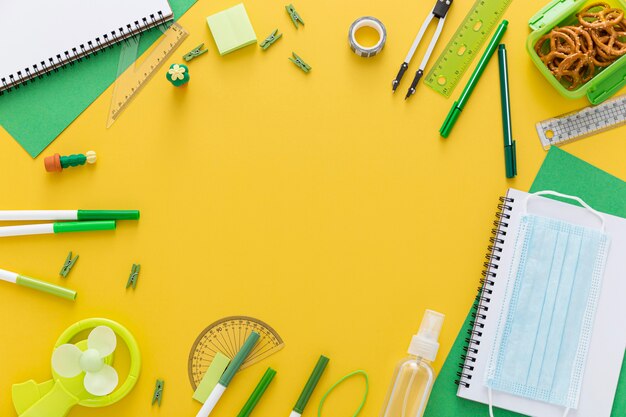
(575, 54)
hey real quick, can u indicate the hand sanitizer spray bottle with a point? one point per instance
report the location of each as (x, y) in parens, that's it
(414, 376)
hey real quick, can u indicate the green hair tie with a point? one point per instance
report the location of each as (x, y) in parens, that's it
(331, 389)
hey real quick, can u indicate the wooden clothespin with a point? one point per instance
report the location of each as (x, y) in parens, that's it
(293, 14)
(158, 392)
(197, 51)
(300, 63)
(273, 37)
(134, 276)
(67, 265)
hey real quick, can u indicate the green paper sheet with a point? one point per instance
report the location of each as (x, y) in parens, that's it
(37, 113)
(566, 174)
(211, 377)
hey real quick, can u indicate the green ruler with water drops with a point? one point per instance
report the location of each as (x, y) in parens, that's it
(465, 45)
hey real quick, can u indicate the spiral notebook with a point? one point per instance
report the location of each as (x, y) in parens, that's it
(608, 340)
(41, 36)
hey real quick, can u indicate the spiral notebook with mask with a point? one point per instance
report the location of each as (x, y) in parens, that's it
(549, 332)
(43, 36)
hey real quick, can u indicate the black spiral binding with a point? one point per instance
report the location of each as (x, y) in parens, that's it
(480, 308)
(65, 58)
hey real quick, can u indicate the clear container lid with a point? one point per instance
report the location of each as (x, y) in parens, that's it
(426, 342)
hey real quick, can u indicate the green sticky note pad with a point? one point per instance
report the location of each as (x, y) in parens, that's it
(231, 29)
(211, 377)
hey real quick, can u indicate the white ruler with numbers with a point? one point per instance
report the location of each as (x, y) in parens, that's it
(582, 123)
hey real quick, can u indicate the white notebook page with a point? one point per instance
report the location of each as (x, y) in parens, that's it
(606, 351)
(36, 30)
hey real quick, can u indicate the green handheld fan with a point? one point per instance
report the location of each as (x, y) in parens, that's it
(82, 372)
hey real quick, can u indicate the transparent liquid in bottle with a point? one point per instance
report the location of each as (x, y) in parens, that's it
(410, 389)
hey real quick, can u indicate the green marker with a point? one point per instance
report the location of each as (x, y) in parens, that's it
(257, 393)
(36, 284)
(228, 375)
(54, 228)
(458, 106)
(58, 215)
(510, 161)
(319, 369)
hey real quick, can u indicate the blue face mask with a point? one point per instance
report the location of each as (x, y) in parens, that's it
(543, 338)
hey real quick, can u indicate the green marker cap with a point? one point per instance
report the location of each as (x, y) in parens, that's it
(257, 393)
(319, 369)
(67, 227)
(454, 114)
(241, 356)
(108, 215)
(35, 284)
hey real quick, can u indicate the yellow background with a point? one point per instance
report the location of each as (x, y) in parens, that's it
(320, 203)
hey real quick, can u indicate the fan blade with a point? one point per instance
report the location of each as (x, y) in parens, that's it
(66, 360)
(102, 339)
(102, 382)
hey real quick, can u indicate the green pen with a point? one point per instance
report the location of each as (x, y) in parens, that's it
(36, 284)
(458, 106)
(298, 409)
(54, 228)
(510, 163)
(228, 375)
(257, 393)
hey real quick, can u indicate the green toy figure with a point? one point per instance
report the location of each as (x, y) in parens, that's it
(178, 75)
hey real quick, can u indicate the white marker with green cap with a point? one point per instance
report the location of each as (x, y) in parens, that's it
(228, 375)
(56, 215)
(53, 228)
(36, 284)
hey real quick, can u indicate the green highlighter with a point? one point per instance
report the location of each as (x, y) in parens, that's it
(258, 392)
(458, 106)
(228, 375)
(36, 284)
(319, 369)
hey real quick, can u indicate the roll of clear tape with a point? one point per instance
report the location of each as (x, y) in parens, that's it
(372, 22)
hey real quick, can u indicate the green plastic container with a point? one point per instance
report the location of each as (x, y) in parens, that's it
(562, 13)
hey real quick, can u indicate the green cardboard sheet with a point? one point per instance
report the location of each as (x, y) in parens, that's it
(567, 174)
(37, 113)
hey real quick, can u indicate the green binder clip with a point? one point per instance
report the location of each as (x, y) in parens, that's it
(273, 37)
(158, 392)
(67, 265)
(134, 275)
(197, 51)
(300, 63)
(293, 14)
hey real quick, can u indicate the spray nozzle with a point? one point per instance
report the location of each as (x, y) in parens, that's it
(426, 342)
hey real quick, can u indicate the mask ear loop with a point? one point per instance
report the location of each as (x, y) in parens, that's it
(331, 389)
(570, 197)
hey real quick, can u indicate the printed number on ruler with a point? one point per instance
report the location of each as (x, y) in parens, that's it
(465, 45)
(582, 123)
(131, 79)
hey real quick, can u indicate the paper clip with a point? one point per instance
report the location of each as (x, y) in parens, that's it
(293, 14)
(197, 51)
(158, 392)
(300, 63)
(67, 265)
(134, 275)
(273, 37)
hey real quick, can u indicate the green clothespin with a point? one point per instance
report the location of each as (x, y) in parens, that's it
(197, 51)
(273, 37)
(158, 392)
(293, 14)
(300, 63)
(67, 265)
(134, 275)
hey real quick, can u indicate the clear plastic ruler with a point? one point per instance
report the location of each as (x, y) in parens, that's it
(131, 78)
(582, 123)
